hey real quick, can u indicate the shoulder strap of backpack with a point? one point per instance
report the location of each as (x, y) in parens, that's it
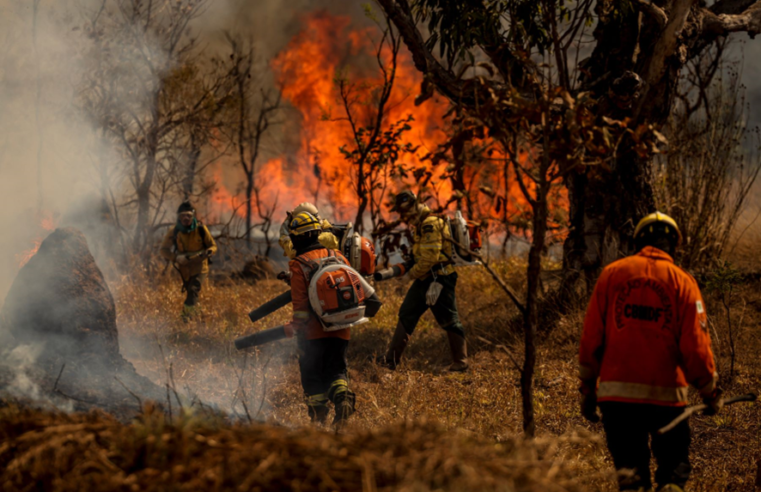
(175, 233)
(204, 232)
(311, 265)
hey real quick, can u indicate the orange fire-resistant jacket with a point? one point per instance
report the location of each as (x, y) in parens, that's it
(645, 334)
(304, 318)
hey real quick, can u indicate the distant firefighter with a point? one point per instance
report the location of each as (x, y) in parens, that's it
(189, 245)
(435, 279)
(326, 238)
(645, 339)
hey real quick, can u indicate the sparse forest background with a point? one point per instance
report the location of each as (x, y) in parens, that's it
(554, 124)
(168, 102)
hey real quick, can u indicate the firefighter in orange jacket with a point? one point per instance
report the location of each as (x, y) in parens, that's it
(322, 357)
(645, 339)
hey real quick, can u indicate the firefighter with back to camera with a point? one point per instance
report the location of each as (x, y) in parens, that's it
(645, 340)
(322, 354)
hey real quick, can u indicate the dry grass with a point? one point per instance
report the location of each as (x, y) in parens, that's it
(92, 452)
(464, 416)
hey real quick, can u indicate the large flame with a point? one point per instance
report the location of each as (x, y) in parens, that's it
(307, 71)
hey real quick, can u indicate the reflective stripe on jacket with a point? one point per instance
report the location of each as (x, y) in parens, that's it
(304, 318)
(430, 246)
(645, 333)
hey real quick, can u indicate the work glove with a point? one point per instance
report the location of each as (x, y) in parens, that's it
(434, 291)
(714, 401)
(589, 407)
(182, 260)
(285, 277)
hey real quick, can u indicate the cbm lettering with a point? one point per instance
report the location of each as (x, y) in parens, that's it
(644, 313)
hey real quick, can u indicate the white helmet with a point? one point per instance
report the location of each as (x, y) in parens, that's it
(306, 207)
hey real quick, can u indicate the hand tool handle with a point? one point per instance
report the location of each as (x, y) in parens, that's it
(696, 408)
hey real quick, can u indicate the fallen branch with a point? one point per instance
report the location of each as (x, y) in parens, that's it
(55, 386)
(139, 401)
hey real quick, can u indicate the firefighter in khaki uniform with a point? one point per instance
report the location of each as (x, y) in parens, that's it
(327, 239)
(189, 246)
(432, 265)
(645, 339)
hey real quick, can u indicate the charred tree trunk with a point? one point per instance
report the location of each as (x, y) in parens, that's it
(605, 204)
(362, 195)
(604, 208)
(458, 174)
(531, 317)
(249, 207)
(189, 179)
(140, 240)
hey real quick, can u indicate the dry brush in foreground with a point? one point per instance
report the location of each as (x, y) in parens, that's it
(59, 452)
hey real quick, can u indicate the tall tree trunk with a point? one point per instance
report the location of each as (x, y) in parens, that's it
(188, 181)
(249, 206)
(140, 240)
(144, 206)
(530, 316)
(362, 195)
(458, 173)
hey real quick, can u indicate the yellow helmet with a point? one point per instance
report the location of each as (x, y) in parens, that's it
(648, 225)
(302, 223)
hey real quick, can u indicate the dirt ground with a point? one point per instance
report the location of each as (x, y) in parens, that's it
(485, 401)
(418, 428)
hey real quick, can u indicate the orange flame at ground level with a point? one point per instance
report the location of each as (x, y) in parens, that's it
(46, 223)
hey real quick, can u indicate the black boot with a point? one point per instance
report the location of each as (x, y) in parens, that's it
(317, 408)
(395, 349)
(318, 413)
(459, 352)
(344, 403)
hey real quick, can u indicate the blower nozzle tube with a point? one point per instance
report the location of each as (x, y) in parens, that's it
(260, 338)
(270, 306)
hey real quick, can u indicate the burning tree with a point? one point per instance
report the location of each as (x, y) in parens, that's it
(377, 144)
(354, 93)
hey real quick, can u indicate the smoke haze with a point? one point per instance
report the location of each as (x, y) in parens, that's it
(51, 153)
